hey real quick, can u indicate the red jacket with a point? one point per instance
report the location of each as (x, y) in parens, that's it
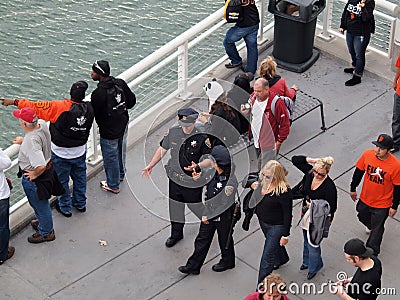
(279, 124)
(280, 88)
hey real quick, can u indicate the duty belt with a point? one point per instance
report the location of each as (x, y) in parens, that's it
(182, 177)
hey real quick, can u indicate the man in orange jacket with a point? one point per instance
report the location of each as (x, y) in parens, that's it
(70, 124)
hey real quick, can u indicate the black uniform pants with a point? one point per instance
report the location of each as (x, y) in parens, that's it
(205, 236)
(178, 196)
(374, 219)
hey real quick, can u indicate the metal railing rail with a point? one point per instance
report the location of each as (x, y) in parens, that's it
(179, 48)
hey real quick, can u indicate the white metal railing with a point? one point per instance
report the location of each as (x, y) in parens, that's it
(179, 49)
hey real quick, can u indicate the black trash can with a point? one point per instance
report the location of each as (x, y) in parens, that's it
(294, 31)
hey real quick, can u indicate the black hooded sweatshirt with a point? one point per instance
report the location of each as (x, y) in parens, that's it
(111, 126)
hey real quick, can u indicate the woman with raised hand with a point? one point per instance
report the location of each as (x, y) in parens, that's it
(273, 199)
(316, 184)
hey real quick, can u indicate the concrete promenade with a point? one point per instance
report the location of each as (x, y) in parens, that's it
(135, 264)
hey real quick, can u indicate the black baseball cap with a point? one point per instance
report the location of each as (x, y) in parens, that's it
(384, 141)
(78, 90)
(357, 247)
(187, 116)
(221, 155)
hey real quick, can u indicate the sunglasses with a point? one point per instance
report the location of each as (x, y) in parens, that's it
(322, 175)
(266, 176)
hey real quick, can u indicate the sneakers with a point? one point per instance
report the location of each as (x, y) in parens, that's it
(67, 215)
(187, 270)
(349, 70)
(231, 66)
(10, 254)
(35, 224)
(353, 81)
(37, 238)
(104, 186)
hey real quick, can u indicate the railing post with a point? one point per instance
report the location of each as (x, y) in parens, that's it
(261, 9)
(327, 22)
(395, 47)
(183, 66)
(95, 158)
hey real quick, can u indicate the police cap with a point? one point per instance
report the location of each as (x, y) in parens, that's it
(187, 116)
(221, 155)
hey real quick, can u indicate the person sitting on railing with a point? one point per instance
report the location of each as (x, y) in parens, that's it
(222, 122)
(246, 28)
(277, 84)
(70, 124)
(6, 252)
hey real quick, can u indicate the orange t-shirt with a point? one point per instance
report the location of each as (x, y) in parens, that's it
(379, 179)
(398, 81)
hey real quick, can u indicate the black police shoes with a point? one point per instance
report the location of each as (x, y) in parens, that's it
(221, 268)
(187, 270)
(171, 241)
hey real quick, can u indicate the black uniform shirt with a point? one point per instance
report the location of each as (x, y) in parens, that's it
(185, 148)
(220, 195)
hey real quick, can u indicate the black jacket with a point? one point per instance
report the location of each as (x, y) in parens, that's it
(111, 127)
(358, 22)
(250, 16)
(326, 191)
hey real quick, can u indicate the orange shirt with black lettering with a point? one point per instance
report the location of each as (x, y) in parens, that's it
(379, 179)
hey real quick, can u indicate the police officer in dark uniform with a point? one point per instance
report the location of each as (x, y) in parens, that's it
(187, 144)
(217, 215)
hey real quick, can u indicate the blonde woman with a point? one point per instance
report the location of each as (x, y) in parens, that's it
(277, 85)
(316, 184)
(273, 199)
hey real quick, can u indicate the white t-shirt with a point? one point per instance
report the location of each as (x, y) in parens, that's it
(257, 113)
(68, 153)
(5, 162)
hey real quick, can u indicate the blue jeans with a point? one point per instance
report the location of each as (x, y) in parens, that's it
(249, 34)
(41, 207)
(272, 250)
(114, 159)
(311, 256)
(76, 169)
(396, 120)
(357, 45)
(4, 227)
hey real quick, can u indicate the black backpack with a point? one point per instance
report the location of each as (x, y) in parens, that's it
(116, 101)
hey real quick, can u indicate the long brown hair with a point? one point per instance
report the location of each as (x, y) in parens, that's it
(222, 102)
